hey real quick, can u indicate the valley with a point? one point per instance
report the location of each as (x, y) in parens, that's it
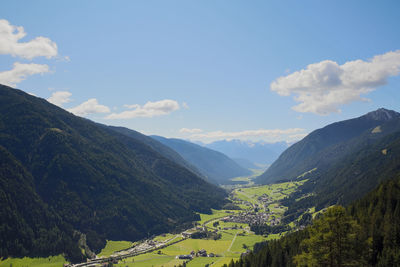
(216, 239)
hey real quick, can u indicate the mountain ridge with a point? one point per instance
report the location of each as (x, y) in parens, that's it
(289, 164)
(93, 180)
(215, 165)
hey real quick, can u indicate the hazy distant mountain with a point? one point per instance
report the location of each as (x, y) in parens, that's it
(213, 164)
(321, 148)
(255, 152)
(60, 173)
(164, 150)
(246, 164)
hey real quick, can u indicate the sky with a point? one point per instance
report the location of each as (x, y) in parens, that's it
(206, 70)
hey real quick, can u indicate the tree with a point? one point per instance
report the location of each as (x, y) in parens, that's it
(333, 241)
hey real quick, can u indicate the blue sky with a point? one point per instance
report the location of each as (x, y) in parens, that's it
(208, 70)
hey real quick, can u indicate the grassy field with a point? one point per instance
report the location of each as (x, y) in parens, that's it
(149, 259)
(215, 214)
(232, 243)
(275, 192)
(164, 237)
(114, 246)
(53, 261)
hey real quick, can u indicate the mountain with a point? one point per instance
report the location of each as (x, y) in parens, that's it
(371, 240)
(164, 150)
(318, 149)
(213, 164)
(246, 164)
(255, 152)
(62, 176)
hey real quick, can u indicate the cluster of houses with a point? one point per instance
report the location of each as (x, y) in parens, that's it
(248, 217)
(200, 253)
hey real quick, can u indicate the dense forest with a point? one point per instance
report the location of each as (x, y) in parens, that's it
(366, 233)
(64, 178)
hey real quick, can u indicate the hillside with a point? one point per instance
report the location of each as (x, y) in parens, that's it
(319, 148)
(79, 176)
(255, 152)
(213, 164)
(157, 146)
(369, 235)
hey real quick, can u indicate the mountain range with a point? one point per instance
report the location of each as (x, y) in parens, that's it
(341, 162)
(63, 177)
(248, 151)
(214, 165)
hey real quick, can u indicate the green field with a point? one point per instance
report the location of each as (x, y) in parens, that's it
(149, 259)
(164, 237)
(275, 192)
(215, 214)
(232, 243)
(114, 246)
(53, 261)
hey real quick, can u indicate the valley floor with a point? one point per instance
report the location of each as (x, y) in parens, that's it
(230, 235)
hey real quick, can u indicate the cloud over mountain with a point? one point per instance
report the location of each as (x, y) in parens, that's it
(20, 72)
(59, 98)
(90, 106)
(148, 110)
(270, 135)
(323, 87)
(10, 44)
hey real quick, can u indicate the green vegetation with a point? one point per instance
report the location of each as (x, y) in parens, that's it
(114, 246)
(52, 261)
(248, 197)
(164, 237)
(333, 241)
(214, 215)
(323, 147)
(214, 165)
(63, 177)
(364, 234)
(150, 259)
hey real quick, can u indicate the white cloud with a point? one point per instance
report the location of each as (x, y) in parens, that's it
(89, 107)
(59, 98)
(10, 36)
(323, 87)
(148, 110)
(20, 72)
(190, 131)
(270, 135)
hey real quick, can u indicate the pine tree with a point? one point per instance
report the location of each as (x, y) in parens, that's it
(333, 241)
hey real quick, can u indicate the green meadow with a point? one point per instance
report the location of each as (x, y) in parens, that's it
(114, 246)
(52, 261)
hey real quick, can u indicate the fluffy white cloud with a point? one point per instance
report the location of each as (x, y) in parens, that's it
(20, 72)
(323, 87)
(89, 107)
(270, 135)
(148, 110)
(10, 44)
(190, 131)
(59, 98)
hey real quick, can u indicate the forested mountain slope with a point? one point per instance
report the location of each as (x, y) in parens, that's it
(320, 148)
(364, 163)
(367, 233)
(213, 164)
(164, 150)
(77, 175)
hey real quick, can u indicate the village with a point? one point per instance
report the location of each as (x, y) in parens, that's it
(254, 208)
